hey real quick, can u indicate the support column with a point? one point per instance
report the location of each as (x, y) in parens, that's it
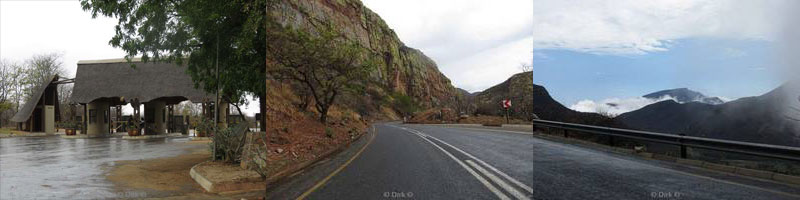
(170, 119)
(96, 118)
(155, 117)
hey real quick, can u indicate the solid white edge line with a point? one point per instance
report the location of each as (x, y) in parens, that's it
(504, 175)
(481, 179)
(499, 181)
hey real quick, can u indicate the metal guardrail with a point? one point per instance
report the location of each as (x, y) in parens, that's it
(764, 150)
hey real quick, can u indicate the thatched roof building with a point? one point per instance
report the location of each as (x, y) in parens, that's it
(25, 112)
(115, 79)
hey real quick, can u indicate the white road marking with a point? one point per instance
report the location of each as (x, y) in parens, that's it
(481, 179)
(499, 181)
(494, 130)
(504, 175)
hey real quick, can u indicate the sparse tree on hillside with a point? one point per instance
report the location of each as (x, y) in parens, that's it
(327, 64)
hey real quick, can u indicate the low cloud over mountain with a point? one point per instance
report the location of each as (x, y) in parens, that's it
(772, 118)
(616, 106)
(684, 95)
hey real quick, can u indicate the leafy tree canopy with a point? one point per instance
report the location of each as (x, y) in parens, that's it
(197, 31)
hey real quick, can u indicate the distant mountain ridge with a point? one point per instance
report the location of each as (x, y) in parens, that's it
(771, 118)
(685, 95)
(546, 108)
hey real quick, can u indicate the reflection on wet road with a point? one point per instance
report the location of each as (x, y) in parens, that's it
(57, 168)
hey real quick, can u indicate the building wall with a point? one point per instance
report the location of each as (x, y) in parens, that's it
(97, 125)
(159, 109)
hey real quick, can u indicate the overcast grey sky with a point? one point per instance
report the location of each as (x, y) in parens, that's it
(476, 43)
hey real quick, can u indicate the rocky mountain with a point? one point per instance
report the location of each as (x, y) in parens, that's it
(466, 102)
(403, 69)
(772, 118)
(517, 88)
(685, 95)
(547, 108)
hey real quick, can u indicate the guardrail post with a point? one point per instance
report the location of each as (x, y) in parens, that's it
(683, 147)
(611, 141)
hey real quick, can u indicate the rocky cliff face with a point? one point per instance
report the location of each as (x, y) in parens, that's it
(404, 70)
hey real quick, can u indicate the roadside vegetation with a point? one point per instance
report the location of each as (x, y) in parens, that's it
(325, 64)
(323, 69)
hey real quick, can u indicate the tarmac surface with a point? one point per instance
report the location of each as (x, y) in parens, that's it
(57, 168)
(396, 161)
(435, 162)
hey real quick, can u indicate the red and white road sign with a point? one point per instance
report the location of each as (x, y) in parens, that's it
(507, 103)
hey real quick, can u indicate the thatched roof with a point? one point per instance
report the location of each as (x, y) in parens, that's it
(114, 79)
(25, 112)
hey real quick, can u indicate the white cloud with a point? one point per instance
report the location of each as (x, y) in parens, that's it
(616, 106)
(35, 27)
(476, 43)
(638, 27)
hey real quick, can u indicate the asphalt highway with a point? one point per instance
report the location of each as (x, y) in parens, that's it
(421, 162)
(401, 161)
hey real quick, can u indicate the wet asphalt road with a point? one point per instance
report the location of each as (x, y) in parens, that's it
(565, 171)
(56, 168)
(399, 162)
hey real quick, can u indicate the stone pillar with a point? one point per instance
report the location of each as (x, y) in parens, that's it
(159, 118)
(97, 118)
(49, 120)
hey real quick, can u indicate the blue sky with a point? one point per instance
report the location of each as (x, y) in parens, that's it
(589, 53)
(716, 67)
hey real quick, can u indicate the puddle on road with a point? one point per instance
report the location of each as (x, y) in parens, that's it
(58, 168)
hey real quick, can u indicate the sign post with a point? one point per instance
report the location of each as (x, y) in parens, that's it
(507, 105)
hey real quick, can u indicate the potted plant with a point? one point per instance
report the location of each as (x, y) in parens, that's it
(133, 129)
(69, 128)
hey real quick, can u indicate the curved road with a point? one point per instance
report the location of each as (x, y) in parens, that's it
(434, 162)
(417, 162)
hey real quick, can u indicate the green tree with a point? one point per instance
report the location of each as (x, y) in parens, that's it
(405, 104)
(326, 63)
(199, 33)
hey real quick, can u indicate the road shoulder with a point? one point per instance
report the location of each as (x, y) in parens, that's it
(295, 184)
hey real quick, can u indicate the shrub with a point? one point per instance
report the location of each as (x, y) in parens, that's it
(405, 104)
(328, 132)
(228, 143)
